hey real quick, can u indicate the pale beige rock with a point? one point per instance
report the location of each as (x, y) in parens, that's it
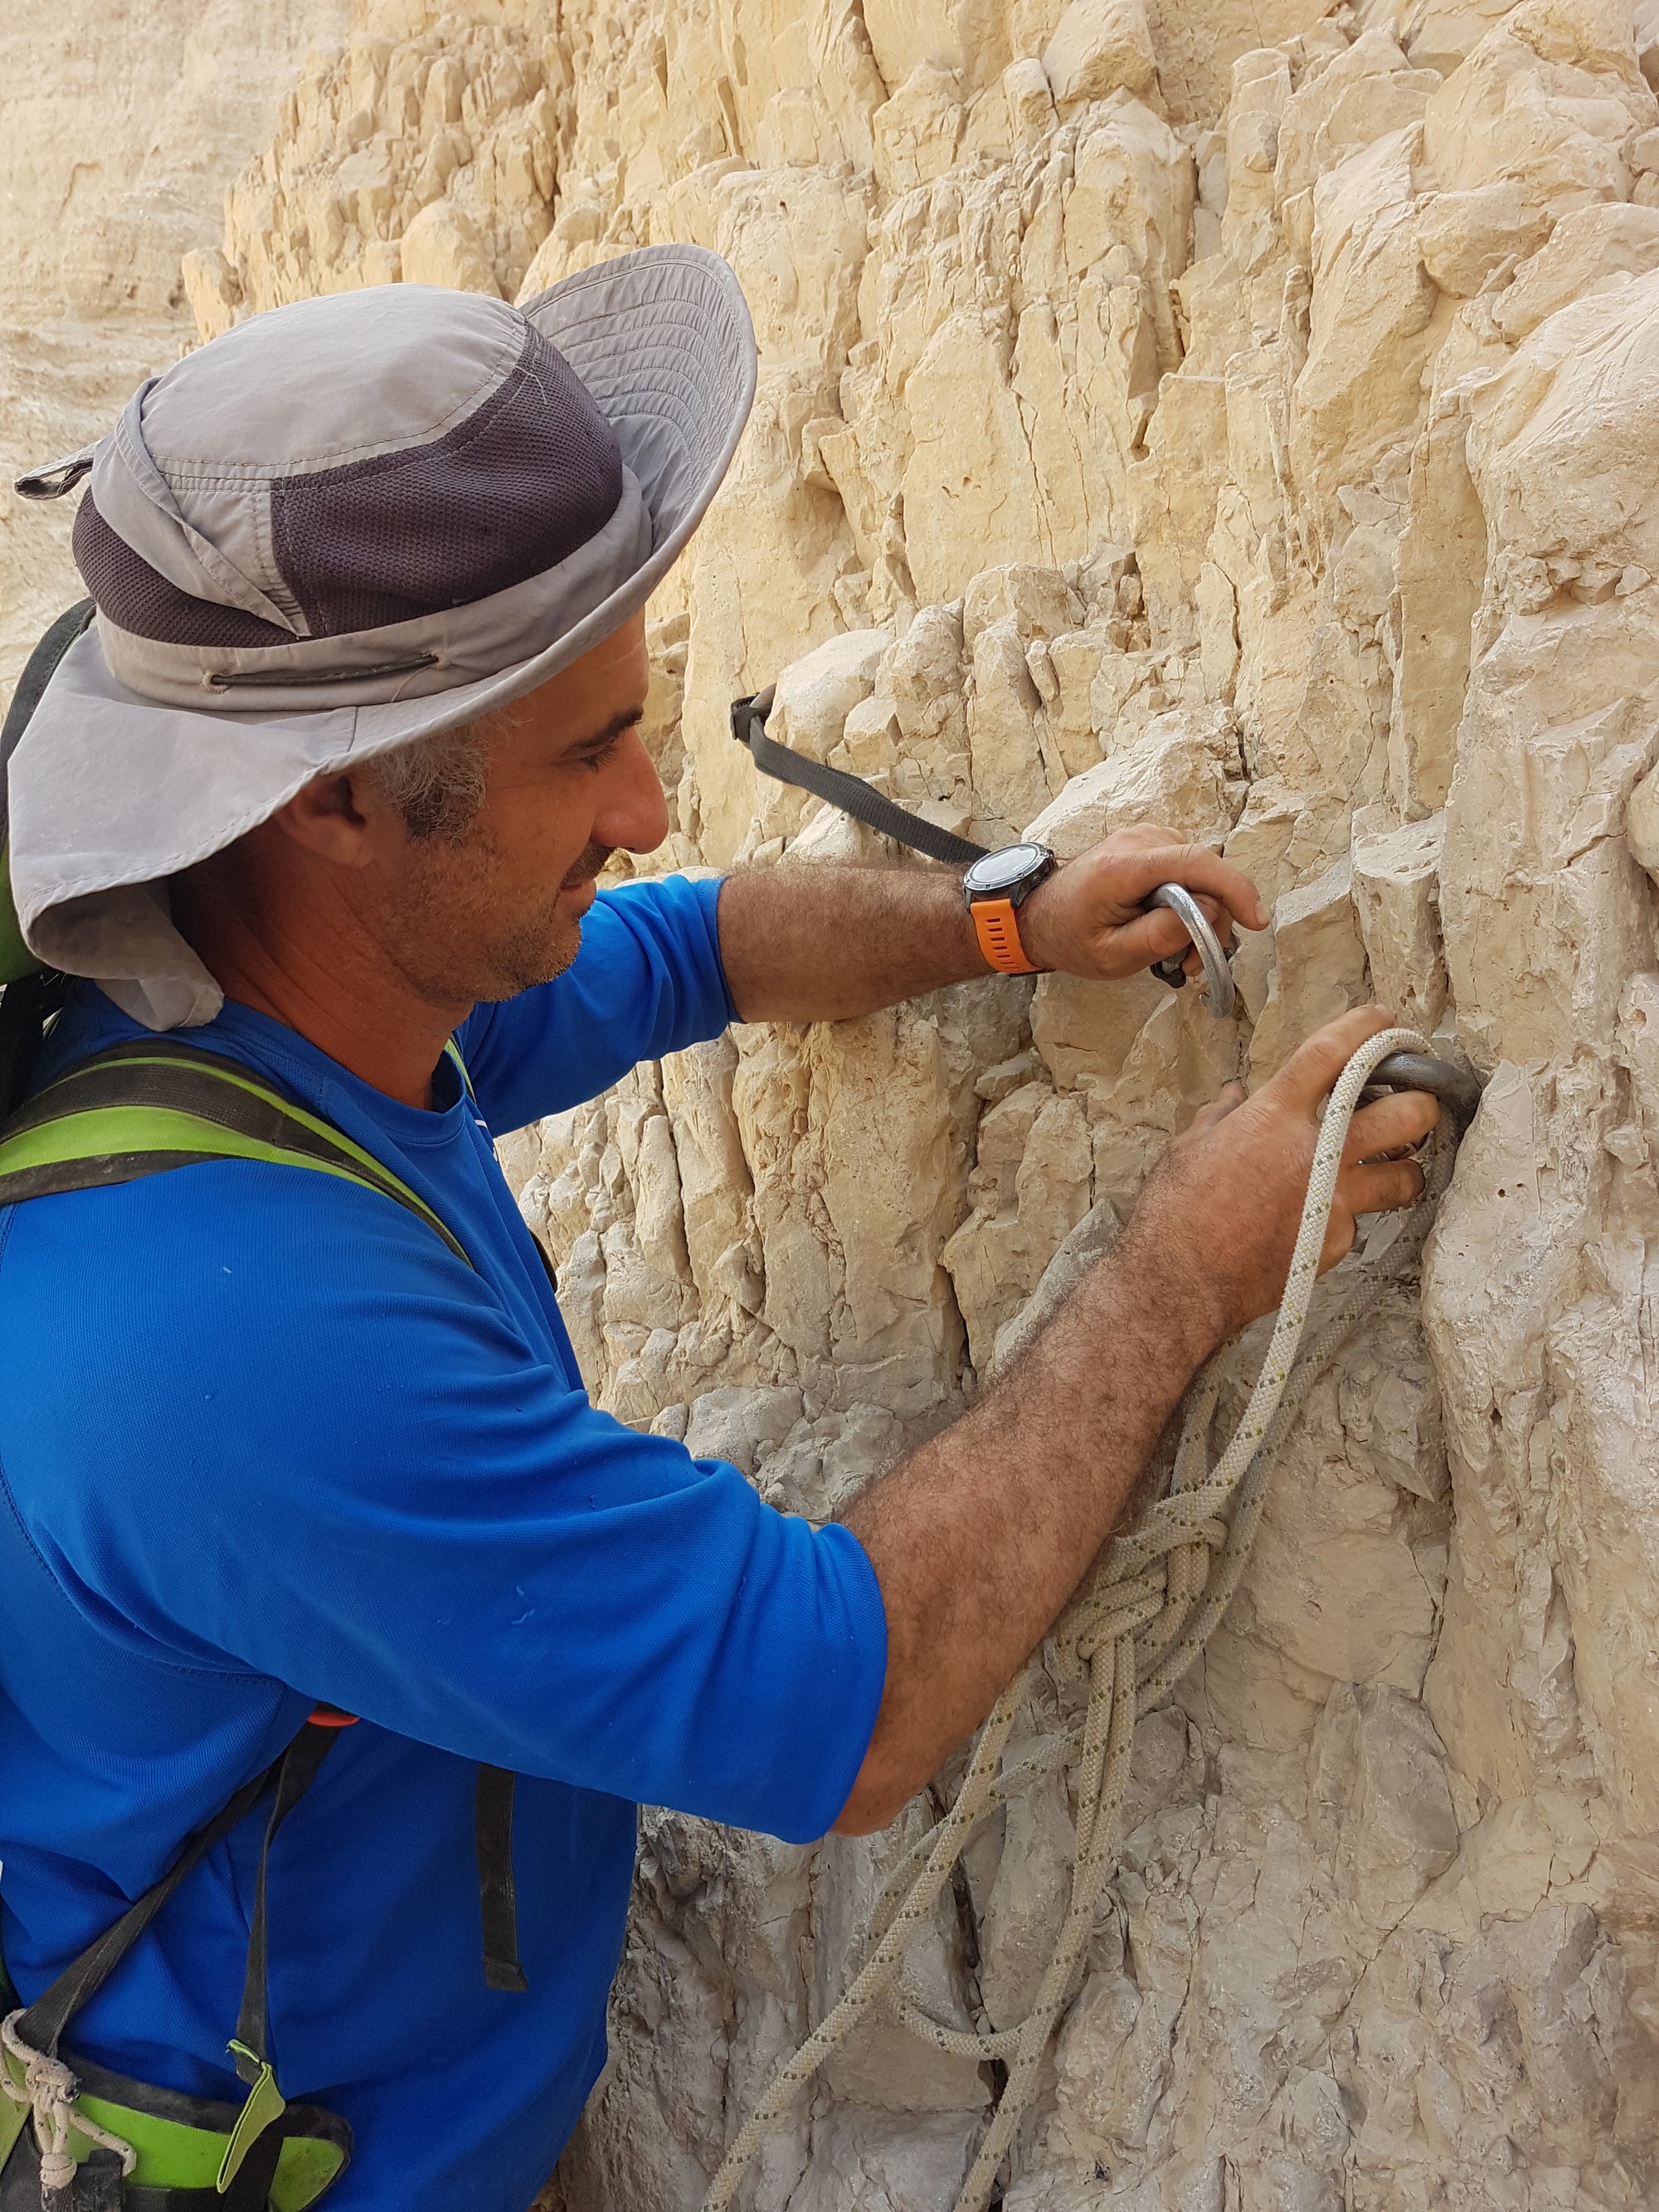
(1099, 47)
(1396, 892)
(1318, 966)
(119, 131)
(1238, 417)
(1588, 248)
(1465, 238)
(444, 245)
(1642, 823)
(1029, 1188)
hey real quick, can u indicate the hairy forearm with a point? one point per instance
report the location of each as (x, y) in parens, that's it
(980, 1539)
(807, 944)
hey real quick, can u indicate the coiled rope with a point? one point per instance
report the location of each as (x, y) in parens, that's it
(1144, 1617)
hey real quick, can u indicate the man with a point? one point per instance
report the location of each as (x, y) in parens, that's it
(329, 784)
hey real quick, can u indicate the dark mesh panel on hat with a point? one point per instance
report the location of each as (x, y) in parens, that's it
(140, 600)
(531, 474)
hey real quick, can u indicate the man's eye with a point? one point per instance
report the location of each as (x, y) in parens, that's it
(601, 754)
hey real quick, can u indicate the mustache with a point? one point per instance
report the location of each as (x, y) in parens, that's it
(585, 867)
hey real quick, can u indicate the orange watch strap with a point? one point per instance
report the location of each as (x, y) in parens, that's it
(997, 926)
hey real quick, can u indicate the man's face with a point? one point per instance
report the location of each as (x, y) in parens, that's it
(488, 914)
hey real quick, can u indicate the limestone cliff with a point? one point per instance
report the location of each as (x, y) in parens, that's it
(119, 128)
(1248, 418)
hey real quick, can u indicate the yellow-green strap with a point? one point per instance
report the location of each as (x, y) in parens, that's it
(129, 1135)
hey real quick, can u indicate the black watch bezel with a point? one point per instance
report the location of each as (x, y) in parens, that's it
(1038, 871)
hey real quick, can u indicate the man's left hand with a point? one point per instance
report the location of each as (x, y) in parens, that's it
(1089, 918)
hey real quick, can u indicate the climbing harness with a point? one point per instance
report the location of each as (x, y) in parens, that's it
(100, 2140)
(1148, 1611)
(135, 1109)
(1137, 1627)
(95, 2132)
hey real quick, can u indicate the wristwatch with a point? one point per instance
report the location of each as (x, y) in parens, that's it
(995, 888)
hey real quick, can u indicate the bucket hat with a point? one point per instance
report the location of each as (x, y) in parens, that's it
(345, 524)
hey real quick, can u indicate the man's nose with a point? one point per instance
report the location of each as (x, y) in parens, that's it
(632, 812)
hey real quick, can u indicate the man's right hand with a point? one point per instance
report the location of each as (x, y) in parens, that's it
(1228, 1196)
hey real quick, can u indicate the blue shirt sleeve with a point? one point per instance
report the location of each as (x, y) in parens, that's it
(649, 980)
(305, 1441)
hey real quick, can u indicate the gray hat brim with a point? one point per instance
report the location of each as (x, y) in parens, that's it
(110, 793)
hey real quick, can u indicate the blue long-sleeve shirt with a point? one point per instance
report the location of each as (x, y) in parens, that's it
(264, 1440)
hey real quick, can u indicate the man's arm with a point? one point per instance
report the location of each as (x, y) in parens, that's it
(978, 1540)
(825, 944)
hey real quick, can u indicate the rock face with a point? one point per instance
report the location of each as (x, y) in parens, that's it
(118, 129)
(1248, 419)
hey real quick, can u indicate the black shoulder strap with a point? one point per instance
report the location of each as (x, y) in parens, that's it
(28, 1001)
(43, 2024)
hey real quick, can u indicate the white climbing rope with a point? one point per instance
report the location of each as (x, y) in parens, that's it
(1144, 1617)
(50, 2090)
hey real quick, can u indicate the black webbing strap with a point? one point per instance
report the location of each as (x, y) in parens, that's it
(28, 1003)
(498, 1896)
(296, 1770)
(850, 793)
(44, 2022)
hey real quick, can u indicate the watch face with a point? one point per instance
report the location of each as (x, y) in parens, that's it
(1001, 870)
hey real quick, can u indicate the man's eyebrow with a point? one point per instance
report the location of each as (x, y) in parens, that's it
(628, 719)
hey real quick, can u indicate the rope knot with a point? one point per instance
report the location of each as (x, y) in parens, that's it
(50, 2090)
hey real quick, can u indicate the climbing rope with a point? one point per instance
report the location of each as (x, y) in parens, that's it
(50, 2090)
(1144, 1617)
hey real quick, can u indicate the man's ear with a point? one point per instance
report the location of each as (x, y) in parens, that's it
(338, 817)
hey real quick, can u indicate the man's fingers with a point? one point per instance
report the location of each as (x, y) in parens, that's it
(1227, 1100)
(1389, 1125)
(1159, 935)
(1138, 871)
(1313, 1067)
(1381, 1187)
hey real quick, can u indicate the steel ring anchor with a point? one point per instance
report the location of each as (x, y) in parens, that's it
(1457, 1089)
(1218, 976)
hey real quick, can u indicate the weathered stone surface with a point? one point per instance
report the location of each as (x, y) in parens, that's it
(119, 129)
(1243, 418)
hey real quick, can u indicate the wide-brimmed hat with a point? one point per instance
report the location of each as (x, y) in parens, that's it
(345, 524)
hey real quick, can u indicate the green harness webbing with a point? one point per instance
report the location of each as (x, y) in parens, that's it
(140, 1109)
(135, 1109)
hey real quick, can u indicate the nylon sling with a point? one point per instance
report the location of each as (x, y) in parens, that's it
(853, 796)
(135, 1109)
(850, 793)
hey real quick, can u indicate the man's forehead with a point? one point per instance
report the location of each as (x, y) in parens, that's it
(557, 721)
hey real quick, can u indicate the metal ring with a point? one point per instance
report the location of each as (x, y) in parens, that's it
(1458, 1088)
(1218, 976)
